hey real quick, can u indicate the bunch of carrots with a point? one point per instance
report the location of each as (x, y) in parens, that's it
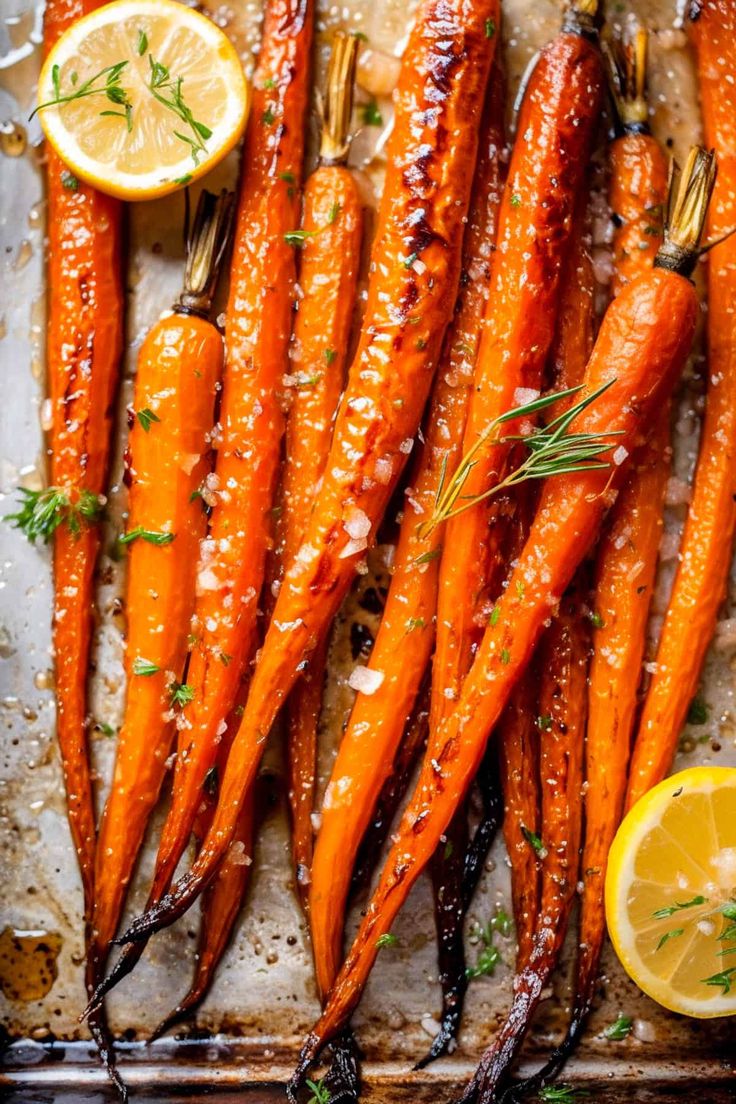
(263, 462)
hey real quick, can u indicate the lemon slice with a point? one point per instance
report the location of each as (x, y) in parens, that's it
(142, 96)
(671, 893)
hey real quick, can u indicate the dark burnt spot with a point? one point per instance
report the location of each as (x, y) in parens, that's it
(130, 417)
(361, 640)
(409, 298)
(372, 601)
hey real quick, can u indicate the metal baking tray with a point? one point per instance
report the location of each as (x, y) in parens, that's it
(244, 1037)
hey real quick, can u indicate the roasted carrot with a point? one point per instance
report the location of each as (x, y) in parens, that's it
(257, 331)
(221, 902)
(557, 120)
(456, 867)
(415, 271)
(328, 273)
(83, 350)
(392, 793)
(167, 460)
(518, 754)
(707, 543)
(563, 665)
(640, 350)
(407, 626)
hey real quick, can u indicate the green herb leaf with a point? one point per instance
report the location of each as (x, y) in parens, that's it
(505, 656)
(673, 934)
(488, 960)
(596, 620)
(544, 723)
(561, 1094)
(145, 417)
(148, 535)
(490, 28)
(320, 1093)
(415, 623)
(386, 940)
(142, 44)
(181, 694)
(333, 213)
(288, 177)
(619, 1029)
(722, 980)
(106, 729)
(167, 90)
(330, 356)
(533, 840)
(69, 181)
(42, 512)
(427, 557)
(669, 910)
(268, 117)
(697, 714)
(144, 667)
(297, 238)
(495, 614)
(370, 114)
(515, 200)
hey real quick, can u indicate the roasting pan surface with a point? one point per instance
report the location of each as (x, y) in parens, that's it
(246, 1033)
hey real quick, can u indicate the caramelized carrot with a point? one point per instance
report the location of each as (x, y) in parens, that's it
(518, 736)
(167, 459)
(257, 332)
(407, 626)
(415, 270)
(84, 341)
(563, 664)
(639, 353)
(707, 543)
(330, 257)
(221, 905)
(557, 120)
(627, 556)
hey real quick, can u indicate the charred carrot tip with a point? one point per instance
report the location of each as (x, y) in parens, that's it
(687, 207)
(338, 102)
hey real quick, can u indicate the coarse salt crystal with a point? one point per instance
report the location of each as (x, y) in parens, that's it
(524, 395)
(383, 470)
(357, 523)
(619, 455)
(406, 446)
(352, 547)
(365, 680)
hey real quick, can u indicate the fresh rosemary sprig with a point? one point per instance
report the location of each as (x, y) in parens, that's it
(161, 82)
(670, 910)
(105, 83)
(42, 512)
(553, 450)
(724, 979)
(619, 1029)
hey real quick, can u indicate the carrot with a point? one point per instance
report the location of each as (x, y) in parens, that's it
(518, 750)
(627, 556)
(639, 353)
(456, 867)
(392, 792)
(558, 117)
(257, 332)
(83, 351)
(705, 551)
(563, 663)
(415, 270)
(168, 457)
(330, 257)
(221, 902)
(407, 625)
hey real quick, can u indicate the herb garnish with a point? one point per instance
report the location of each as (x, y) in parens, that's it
(105, 83)
(181, 694)
(160, 82)
(145, 417)
(371, 115)
(148, 535)
(42, 512)
(619, 1029)
(723, 979)
(553, 450)
(386, 940)
(144, 667)
(320, 1093)
(533, 840)
(670, 910)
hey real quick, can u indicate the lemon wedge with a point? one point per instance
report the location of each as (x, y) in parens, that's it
(141, 97)
(671, 893)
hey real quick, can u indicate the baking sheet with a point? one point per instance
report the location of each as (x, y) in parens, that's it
(264, 996)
